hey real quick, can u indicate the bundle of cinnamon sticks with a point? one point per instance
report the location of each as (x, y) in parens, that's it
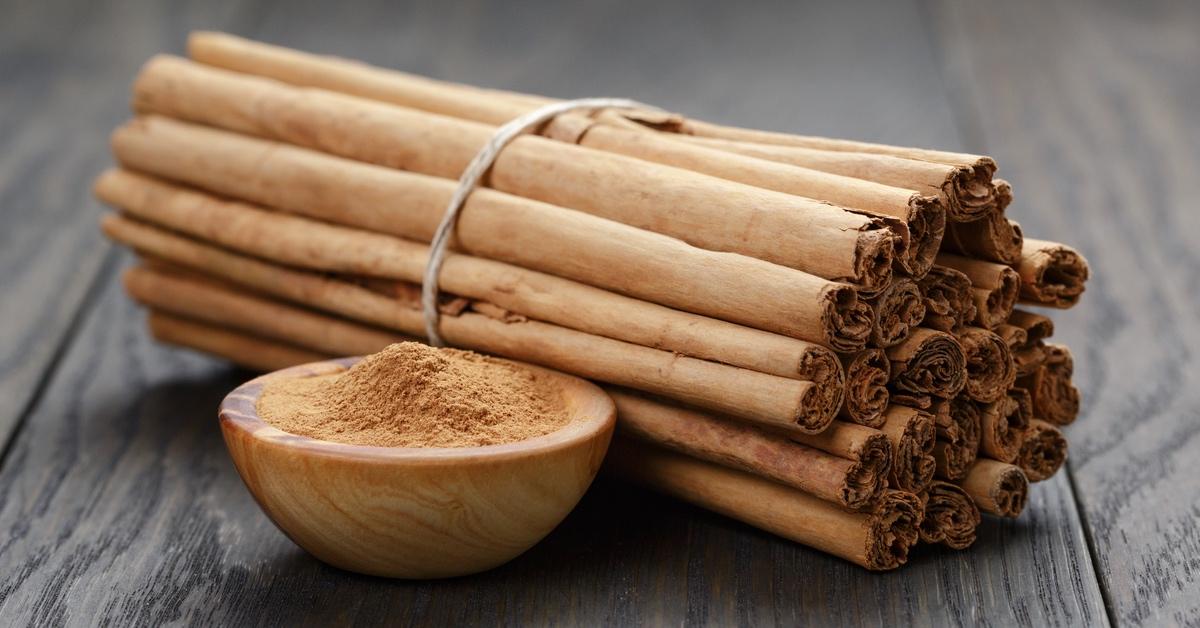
(828, 339)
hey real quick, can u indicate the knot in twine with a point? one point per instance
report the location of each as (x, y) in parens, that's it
(470, 180)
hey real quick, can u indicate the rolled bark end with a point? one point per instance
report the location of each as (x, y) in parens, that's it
(897, 310)
(1003, 425)
(1051, 273)
(990, 367)
(951, 516)
(911, 433)
(926, 228)
(848, 319)
(928, 362)
(868, 475)
(948, 299)
(894, 529)
(970, 192)
(1044, 451)
(820, 365)
(998, 488)
(994, 305)
(958, 433)
(1055, 398)
(874, 256)
(816, 408)
(867, 374)
(993, 237)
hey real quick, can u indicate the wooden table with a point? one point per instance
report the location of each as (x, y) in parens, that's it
(118, 502)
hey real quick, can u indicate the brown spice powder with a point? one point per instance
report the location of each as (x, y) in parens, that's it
(413, 395)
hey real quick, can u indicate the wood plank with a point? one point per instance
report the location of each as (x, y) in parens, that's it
(1090, 109)
(64, 69)
(140, 516)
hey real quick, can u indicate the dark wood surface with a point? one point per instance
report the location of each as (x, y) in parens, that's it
(118, 502)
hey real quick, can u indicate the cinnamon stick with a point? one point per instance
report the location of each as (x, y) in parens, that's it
(1052, 274)
(958, 430)
(911, 433)
(786, 404)
(705, 211)
(992, 237)
(192, 297)
(877, 540)
(998, 488)
(1032, 352)
(309, 244)
(1002, 428)
(928, 362)
(527, 233)
(1043, 452)
(1015, 338)
(951, 516)
(994, 287)
(853, 442)
(240, 348)
(867, 375)
(898, 309)
(948, 297)
(990, 367)
(854, 484)
(921, 219)
(1055, 397)
(965, 190)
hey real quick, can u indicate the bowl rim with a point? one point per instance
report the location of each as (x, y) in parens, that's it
(238, 412)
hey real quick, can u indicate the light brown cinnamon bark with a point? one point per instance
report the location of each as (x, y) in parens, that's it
(1044, 451)
(898, 309)
(193, 298)
(998, 488)
(705, 211)
(867, 375)
(912, 435)
(951, 516)
(876, 540)
(928, 362)
(305, 243)
(851, 441)
(1014, 337)
(992, 237)
(1055, 397)
(534, 235)
(1052, 274)
(966, 190)
(1002, 428)
(948, 297)
(785, 404)
(990, 367)
(359, 79)
(994, 287)
(921, 219)
(958, 434)
(854, 484)
(242, 349)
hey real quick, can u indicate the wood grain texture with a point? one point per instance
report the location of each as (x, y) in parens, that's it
(63, 69)
(118, 501)
(1091, 109)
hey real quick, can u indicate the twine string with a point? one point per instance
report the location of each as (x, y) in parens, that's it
(473, 175)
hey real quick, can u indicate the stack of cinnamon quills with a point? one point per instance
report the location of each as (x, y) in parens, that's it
(839, 342)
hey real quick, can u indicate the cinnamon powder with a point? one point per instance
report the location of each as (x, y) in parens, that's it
(413, 395)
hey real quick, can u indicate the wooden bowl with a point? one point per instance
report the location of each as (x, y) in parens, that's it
(416, 512)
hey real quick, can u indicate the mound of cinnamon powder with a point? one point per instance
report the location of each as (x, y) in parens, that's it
(413, 395)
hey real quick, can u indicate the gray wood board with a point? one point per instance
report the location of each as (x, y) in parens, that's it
(1091, 110)
(118, 499)
(65, 68)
